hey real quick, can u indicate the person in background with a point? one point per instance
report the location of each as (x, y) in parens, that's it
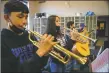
(68, 39)
(83, 28)
(18, 54)
(83, 31)
(72, 65)
(71, 38)
(53, 28)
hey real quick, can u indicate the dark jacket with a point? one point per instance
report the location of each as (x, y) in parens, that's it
(18, 54)
(69, 42)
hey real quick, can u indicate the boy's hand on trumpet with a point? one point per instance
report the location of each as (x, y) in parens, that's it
(45, 45)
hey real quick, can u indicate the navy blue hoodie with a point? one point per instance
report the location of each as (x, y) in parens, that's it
(18, 54)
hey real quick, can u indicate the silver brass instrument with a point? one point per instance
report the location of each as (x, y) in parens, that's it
(94, 40)
(61, 49)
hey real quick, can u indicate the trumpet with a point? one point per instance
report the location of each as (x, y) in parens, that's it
(94, 40)
(67, 53)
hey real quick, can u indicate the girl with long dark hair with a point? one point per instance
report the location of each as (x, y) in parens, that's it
(53, 28)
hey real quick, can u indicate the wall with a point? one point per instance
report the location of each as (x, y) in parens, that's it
(69, 8)
(34, 8)
(3, 22)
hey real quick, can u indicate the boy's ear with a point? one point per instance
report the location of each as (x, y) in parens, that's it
(6, 17)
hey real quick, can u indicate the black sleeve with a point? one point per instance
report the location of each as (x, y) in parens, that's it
(69, 43)
(8, 62)
(11, 64)
(34, 64)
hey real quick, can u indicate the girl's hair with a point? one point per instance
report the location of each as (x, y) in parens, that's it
(51, 26)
